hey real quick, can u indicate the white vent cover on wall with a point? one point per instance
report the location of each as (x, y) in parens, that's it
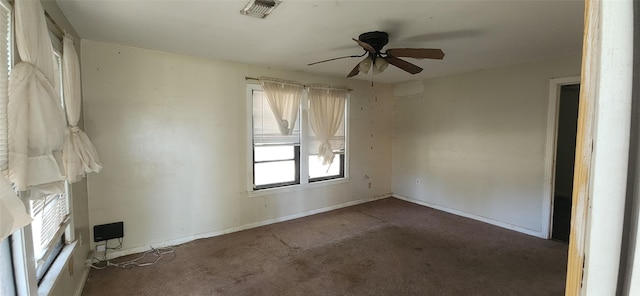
(260, 8)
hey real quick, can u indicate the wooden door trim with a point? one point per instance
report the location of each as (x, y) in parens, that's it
(584, 147)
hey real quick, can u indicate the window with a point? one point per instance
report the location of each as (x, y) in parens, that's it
(50, 214)
(277, 160)
(318, 171)
(34, 248)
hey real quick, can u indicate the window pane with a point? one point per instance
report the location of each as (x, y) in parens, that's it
(317, 170)
(48, 215)
(267, 153)
(7, 286)
(274, 172)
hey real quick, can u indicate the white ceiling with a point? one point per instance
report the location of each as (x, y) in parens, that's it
(473, 34)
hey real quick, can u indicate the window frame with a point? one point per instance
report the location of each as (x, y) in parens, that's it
(303, 174)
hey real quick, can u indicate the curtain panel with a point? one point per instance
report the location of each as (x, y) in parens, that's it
(35, 117)
(284, 102)
(32, 37)
(13, 214)
(79, 155)
(326, 114)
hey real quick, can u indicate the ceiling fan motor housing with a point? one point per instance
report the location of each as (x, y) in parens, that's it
(376, 39)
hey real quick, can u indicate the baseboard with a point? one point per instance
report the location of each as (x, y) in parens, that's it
(472, 216)
(186, 239)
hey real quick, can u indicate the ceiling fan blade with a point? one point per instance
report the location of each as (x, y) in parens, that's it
(355, 71)
(365, 45)
(417, 53)
(402, 64)
(338, 58)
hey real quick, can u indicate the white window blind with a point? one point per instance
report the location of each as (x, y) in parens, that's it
(265, 126)
(49, 214)
(5, 68)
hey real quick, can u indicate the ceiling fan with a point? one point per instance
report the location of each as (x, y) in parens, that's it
(373, 42)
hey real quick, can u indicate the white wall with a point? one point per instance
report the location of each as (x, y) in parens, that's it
(171, 131)
(476, 142)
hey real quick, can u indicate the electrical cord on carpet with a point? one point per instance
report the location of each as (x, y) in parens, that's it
(159, 253)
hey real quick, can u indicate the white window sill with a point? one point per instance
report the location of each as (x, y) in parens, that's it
(56, 269)
(298, 187)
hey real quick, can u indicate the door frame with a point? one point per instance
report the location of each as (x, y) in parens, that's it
(555, 86)
(602, 149)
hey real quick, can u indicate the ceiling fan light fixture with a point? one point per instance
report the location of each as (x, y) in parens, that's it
(365, 65)
(380, 65)
(260, 8)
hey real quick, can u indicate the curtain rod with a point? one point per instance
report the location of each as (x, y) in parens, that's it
(60, 29)
(304, 85)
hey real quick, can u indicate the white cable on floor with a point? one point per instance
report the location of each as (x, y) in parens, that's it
(159, 253)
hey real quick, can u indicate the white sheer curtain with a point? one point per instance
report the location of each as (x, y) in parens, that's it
(35, 117)
(326, 113)
(284, 101)
(32, 37)
(79, 154)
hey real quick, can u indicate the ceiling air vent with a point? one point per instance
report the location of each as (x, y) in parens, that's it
(260, 8)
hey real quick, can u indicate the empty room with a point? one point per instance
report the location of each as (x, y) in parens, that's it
(266, 147)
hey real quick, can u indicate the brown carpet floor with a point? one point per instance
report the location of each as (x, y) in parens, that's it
(386, 247)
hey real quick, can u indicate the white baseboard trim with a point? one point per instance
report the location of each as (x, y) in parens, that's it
(186, 239)
(83, 281)
(472, 216)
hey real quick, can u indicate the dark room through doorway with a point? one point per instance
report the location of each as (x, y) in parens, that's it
(565, 158)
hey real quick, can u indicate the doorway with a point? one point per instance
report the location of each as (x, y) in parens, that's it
(558, 87)
(567, 124)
